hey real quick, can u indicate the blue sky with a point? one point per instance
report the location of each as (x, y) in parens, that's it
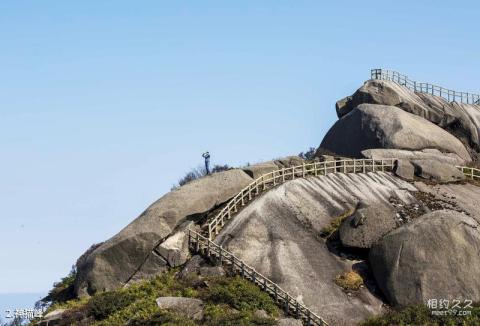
(105, 104)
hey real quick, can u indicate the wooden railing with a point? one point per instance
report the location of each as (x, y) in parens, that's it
(471, 173)
(206, 247)
(280, 176)
(449, 95)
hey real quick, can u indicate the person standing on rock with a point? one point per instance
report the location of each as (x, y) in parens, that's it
(206, 156)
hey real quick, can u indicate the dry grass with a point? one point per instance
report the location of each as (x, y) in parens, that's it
(335, 223)
(349, 280)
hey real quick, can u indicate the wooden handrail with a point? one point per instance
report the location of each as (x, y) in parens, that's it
(447, 94)
(469, 172)
(277, 177)
(205, 246)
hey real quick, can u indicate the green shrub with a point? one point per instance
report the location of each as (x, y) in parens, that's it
(224, 315)
(422, 315)
(62, 291)
(228, 300)
(164, 317)
(104, 304)
(241, 295)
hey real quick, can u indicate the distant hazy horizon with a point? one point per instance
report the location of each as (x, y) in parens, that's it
(105, 105)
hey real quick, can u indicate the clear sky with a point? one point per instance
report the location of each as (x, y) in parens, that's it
(105, 104)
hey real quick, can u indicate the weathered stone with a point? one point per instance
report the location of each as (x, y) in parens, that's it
(153, 265)
(209, 271)
(435, 256)
(257, 170)
(462, 120)
(189, 307)
(175, 248)
(192, 266)
(289, 322)
(378, 126)
(52, 318)
(424, 154)
(343, 106)
(386, 93)
(114, 262)
(289, 161)
(261, 314)
(437, 171)
(270, 235)
(404, 169)
(366, 226)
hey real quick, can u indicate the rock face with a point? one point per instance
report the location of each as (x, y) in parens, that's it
(257, 170)
(366, 226)
(436, 256)
(378, 126)
(462, 120)
(115, 262)
(437, 171)
(404, 169)
(191, 308)
(270, 235)
(424, 154)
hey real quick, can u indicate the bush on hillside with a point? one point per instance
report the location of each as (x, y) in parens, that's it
(228, 301)
(62, 291)
(308, 155)
(199, 172)
(422, 315)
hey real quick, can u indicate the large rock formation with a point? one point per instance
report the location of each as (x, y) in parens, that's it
(366, 226)
(462, 120)
(277, 234)
(116, 261)
(435, 256)
(378, 126)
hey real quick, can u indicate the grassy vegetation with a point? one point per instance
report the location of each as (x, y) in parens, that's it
(422, 315)
(335, 224)
(349, 280)
(228, 301)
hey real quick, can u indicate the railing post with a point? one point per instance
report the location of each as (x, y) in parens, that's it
(286, 308)
(197, 245)
(275, 292)
(242, 269)
(309, 322)
(274, 181)
(220, 255)
(256, 186)
(303, 170)
(293, 172)
(315, 169)
(263, 183)
(283, 174)
(249, 192)
(297, 310)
